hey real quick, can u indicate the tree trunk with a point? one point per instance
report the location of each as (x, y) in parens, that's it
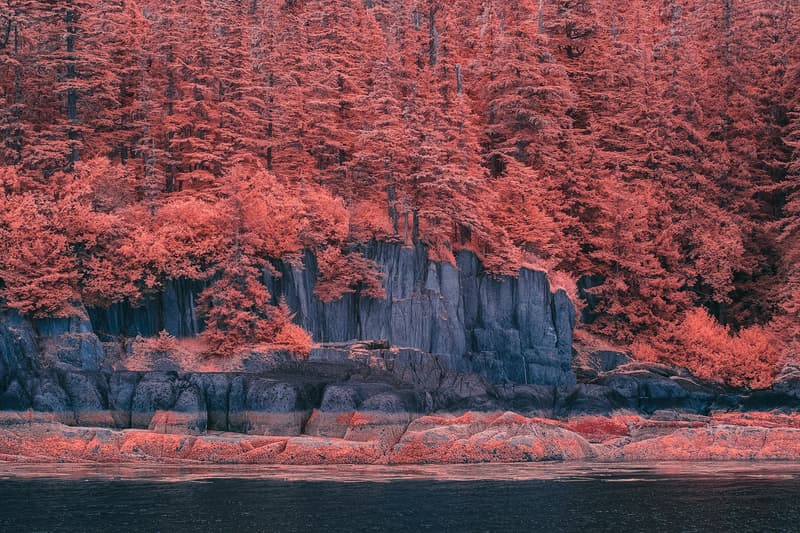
(391, 198)
(434, 46)
(541, 17)
(72, 93)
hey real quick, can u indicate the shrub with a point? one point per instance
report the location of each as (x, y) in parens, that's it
(747, 358)
(342, 273)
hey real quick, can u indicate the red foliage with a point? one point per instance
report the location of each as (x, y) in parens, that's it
(344, 273)
(748, 358)
(656, 149)
(236, 310)
(38, 273)
(163, 342)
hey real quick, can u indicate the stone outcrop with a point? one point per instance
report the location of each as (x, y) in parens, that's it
(18, 347)
(438, 439)
(173, 310)
(363, 402)
(508, 329)
(452, 366)
(473, 438)
(382, 387)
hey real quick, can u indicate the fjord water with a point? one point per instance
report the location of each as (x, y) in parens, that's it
(538, 497)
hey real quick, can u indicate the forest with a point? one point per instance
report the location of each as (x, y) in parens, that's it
(647, 150)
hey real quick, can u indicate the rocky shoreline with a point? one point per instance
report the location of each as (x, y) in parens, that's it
(472, 369)
(371, 403)
(435, 439)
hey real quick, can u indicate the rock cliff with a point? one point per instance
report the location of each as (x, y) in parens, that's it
(508, 329)
(452, 340)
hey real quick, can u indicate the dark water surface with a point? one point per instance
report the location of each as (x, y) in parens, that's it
(532, 497)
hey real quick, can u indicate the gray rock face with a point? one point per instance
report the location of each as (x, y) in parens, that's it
(49, 397)
(608, 360)
(53, 327)
(172, 310)
(78, 351)
(788, 380)
(155, 392)
(187, 417)
(591, 365)
(15, 398)
(516, 329)
(589, 399)
(649, 387)
(215, 389)
(419, 369)
(445, 337)
(276, 408)
(339, 399)
(237, 406)
(86, 392)
(121, 386)
(361, 403)
(377, 407)
(18, 349)
(508, 329)
(534, 400)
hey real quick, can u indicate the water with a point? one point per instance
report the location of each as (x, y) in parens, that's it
(533, 497)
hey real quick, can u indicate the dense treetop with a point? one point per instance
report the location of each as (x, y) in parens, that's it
(654, 146)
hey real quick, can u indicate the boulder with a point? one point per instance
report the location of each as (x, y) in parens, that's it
(155, 392)
(121, 388)
(315, 451)
(86, 397)
(237, 405)
(73, 351)
(49, 397)
(474, 438)
(339, 403)
(381, 418)
(275, 408)
(187, 417)
(650, 387)
(215, 390)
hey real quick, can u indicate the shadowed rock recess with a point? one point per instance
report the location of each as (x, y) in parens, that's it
(452, 366)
